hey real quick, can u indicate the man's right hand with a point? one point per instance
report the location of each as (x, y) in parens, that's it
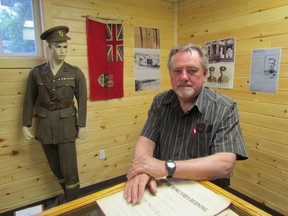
(27, 133)
(135, 187)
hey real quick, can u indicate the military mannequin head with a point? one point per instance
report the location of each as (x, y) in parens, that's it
(56, 34)
(58, 51)
(56, 38)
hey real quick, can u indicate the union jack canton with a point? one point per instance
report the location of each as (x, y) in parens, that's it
(114, 37)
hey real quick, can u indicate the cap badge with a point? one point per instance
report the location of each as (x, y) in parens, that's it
(60, 33)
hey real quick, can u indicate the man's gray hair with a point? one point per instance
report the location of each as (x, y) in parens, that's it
(204, 59)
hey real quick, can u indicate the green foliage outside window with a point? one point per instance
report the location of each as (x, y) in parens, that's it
(17, 34)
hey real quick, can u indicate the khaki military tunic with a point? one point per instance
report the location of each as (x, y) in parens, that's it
(58, 118)
(223, 79)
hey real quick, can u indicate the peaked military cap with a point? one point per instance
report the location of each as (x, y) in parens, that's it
(222, 68)
(56, 34)
(212, 68)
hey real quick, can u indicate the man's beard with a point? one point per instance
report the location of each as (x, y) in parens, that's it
(185, 92)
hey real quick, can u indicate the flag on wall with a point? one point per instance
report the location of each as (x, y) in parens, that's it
(105, 59)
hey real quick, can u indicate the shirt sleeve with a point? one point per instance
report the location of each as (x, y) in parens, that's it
(29, 100)
(151, 126)
(81, 97)
(228, 137)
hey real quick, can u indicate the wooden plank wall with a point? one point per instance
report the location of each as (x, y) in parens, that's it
(264, 117)
(112, 125)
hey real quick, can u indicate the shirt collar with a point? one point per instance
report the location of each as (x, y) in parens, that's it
(172, 98)
(200, 101)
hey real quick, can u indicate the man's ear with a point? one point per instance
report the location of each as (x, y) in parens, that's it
(205, 72)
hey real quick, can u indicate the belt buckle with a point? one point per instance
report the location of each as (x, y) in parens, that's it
(51, 105)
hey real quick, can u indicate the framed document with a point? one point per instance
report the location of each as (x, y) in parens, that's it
(174, 197)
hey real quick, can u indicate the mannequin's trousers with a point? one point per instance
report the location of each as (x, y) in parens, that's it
(62, 159)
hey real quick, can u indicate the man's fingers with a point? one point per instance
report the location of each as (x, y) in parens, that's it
(127, 191)
(135, 188)
(153, 185)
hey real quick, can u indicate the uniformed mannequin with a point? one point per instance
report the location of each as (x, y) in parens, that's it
(56, 83)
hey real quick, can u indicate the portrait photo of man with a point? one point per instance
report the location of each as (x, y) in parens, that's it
(270, 72)
(223, 78)
(211, 78)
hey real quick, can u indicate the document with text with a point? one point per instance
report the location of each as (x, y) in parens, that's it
(174, 197)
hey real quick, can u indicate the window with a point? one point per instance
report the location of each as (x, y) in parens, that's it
(20, 28)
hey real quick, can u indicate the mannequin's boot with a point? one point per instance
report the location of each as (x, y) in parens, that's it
(72, 192)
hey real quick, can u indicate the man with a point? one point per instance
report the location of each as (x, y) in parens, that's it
(56, 83)
(223, 78)
(192, 132)
(212, 78)
(271, 72)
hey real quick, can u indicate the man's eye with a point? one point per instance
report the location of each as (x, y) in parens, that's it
(194, 70)
(177, 71)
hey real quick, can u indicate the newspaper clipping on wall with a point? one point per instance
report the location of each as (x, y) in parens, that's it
(264, 72)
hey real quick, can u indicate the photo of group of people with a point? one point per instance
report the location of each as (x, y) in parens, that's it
(221, 79)
(221, 63)
(219, 76)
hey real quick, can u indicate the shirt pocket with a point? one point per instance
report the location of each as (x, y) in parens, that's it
(42, 130)
(42, 91)
(68, 117)
(66, 89)
(200, 145)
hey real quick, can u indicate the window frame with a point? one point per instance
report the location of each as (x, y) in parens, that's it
(38, 23)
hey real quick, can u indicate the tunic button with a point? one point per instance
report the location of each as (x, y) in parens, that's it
(54, 90)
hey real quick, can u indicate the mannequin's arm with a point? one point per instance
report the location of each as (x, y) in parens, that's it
(27, 133)
(82, 133)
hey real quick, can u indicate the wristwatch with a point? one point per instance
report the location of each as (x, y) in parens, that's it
(171, 167)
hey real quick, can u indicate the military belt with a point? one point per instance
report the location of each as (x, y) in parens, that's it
(56, 105)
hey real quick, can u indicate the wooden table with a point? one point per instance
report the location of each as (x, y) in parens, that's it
(88, 203)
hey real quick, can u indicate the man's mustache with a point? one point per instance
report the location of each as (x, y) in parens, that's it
(185, 84)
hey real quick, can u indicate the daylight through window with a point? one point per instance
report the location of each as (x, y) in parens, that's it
(19, 28)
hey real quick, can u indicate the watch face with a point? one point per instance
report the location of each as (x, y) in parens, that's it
(171, 164)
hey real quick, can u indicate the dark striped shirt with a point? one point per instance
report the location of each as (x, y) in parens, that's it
(210, 126)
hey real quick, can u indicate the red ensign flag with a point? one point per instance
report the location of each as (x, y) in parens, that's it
(105, 59)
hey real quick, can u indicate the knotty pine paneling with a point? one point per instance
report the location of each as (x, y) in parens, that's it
(115, 125)
(255, 24)
(112, 125)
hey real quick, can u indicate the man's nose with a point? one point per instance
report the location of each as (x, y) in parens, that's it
(184, 75)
